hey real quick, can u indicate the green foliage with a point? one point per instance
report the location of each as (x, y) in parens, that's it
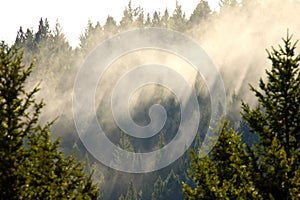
(131, 193)
(167, 189)
(270, 169)
(31, 166)
(224, 175)
(279, 98)
(276, 120)
(43, 31)
(20, 39)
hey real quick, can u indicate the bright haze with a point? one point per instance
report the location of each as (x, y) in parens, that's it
(73, 16)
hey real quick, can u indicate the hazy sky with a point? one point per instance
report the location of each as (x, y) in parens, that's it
(74, 15)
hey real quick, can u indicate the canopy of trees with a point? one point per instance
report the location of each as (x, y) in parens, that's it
(32, 167)
(270, 169)
(256, 157)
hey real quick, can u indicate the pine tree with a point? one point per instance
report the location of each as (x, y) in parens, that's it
(20, 39)
(127, 19)
(132, 17)
(156, 20)
(43, 31)
(269, 169)
(165, 19)
(178, 20)
(131, 192)
(276, 120)
(124, 144)
(139, 22)
(158, 189)
(168, 188)
(200, 13)
(32, 167)
(59, 38)
(148, 22)
(172, 187)
(110, 27)
(226, 174)
(92, 37)
(29, 40)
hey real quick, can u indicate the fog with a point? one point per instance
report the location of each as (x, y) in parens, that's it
(235, 39)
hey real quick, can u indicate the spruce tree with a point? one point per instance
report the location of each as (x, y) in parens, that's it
(165, 19)
(270, 169)
(139, 22)
(31, 166)
(225, 174)
(131, 192)
(110, 27)
(43, 31)
(178, 21)
(127, 19)
(276, 120)
(156, 20)
(168, 188)
(200, 13)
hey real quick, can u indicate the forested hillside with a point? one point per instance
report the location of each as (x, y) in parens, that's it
(257, 154)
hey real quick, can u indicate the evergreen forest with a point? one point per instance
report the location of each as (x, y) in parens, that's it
(254, 46)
